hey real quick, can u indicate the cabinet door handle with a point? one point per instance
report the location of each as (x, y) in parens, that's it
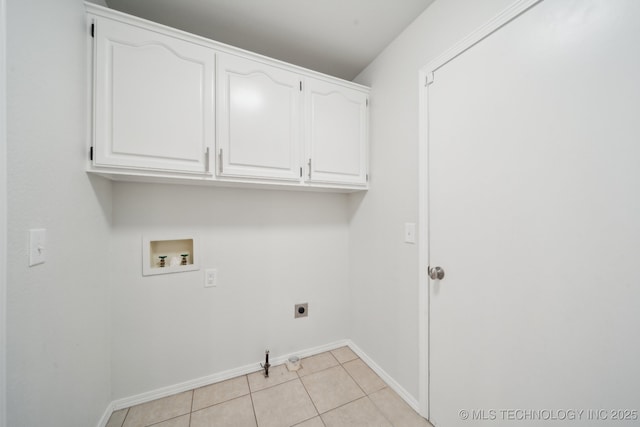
(206, 160)
(309, 168)
(220, 160)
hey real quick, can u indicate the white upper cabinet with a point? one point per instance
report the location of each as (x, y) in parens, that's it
(258, 119)
(173, 106)
(336, 134)
(153, 100)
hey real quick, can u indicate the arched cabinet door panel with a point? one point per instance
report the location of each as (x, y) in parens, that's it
(154, 100)
(259, 120)
(336, 133)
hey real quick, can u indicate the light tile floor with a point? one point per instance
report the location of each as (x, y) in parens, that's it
(332, 389)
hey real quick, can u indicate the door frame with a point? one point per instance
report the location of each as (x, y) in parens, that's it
(426, 76)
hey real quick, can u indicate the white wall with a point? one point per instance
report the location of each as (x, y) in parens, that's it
(58, 337)
(3, 217)
(272, 249)
(383, 269)
(342, 254)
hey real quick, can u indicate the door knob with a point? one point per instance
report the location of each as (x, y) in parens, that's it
(436, 273)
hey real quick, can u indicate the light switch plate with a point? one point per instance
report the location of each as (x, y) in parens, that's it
(37, 246)
(410, 232)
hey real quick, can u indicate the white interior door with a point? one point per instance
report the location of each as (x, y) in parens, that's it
(534, 215)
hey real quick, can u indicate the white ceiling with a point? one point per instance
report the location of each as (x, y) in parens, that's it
(336, 37)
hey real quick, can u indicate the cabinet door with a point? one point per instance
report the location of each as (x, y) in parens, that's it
(336, 133)
(258, 120)
(153, 100)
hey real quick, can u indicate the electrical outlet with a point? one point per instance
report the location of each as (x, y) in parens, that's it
(210, 278)
(301, 310)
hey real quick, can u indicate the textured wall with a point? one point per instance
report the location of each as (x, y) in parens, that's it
(3, 216)
(272, 249)
(57, 312)
(384, 269)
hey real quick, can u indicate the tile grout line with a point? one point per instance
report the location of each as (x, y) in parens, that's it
(177, 416)
(253, 408)
(307, 391)
(378, 409)
(354, 380)
(348, 403)
(274, 385)
(193, 397)
(312, 402)
(313, 373)
(222, 401)
(340, 364)
(365, 393)
(124, 419)
(346, 361)
(219, 403)
(320, 370)
(299, 377)
(169, 419)
(372, 371)
(304, 421)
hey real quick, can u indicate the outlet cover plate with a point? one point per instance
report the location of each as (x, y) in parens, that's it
(210, 278)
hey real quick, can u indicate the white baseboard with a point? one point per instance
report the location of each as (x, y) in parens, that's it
(107, 414)
(404, 394)
(247, 369)
(209, 379)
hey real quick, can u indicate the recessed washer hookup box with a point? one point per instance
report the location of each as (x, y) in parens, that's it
(169, 254)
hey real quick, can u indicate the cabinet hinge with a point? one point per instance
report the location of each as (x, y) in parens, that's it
(430, 78)
(90, 153)
(93, 30)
